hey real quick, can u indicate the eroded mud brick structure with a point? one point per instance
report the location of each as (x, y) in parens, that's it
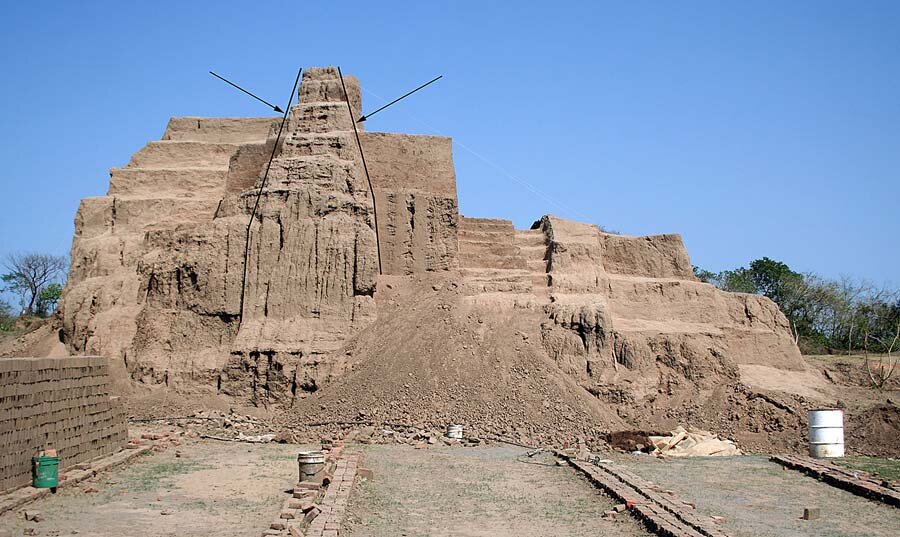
(157, 277)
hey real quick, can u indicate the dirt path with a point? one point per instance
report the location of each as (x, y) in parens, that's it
(214, 488)
(476, 492)
(760, 498)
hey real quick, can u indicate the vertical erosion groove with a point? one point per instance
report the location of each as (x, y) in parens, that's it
(365, 168)
(262, 185)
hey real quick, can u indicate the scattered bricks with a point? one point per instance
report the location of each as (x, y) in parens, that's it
(811, 513)
(660, 513)
(20, 497)
(34, 516)
(303, 494)
(609, 515)
(620, 507)
(855, 481)
(311, 514)
(300, 516)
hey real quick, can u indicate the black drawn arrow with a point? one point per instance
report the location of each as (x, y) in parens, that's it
(270, 105)
(370, 114)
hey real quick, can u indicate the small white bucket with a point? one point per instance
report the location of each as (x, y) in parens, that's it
(455, 431)
(826, 433)
(312, 464)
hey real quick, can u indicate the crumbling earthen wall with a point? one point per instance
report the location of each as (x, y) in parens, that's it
(60, 403)
(158, 280)
(415, 194)
(630, 319)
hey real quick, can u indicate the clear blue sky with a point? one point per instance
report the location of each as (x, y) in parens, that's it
(751, 128)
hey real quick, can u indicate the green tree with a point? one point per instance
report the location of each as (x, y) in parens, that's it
(704, 275)
(7, 318)
(774, 279)
(824, 314)
(28, 274)
(736, 281)
(47, 300)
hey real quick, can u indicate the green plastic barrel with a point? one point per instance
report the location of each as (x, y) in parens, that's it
(45, 472)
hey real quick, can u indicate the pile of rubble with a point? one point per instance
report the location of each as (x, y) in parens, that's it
(210, 423)
(232, 426)
(413, 436)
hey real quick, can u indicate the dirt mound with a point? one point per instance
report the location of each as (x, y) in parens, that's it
(433, 359)
(875, 431)
(40, 338)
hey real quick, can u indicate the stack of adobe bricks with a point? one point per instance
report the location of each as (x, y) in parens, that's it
(56, 403)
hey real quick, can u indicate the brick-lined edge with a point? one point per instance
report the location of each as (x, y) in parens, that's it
(861, 484)
(334, 503)
(661, 513)
(23, 495)
(301, 519)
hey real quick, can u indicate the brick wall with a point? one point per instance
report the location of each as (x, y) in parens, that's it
(60, 403)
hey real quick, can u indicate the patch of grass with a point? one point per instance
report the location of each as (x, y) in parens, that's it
(276, 453)
(888, 469)
(150, 477)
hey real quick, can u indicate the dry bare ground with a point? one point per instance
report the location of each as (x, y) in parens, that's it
(757, 497)
(220, 488)
(477, 492)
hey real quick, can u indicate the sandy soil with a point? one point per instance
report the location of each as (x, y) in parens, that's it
(758, 497)
(808, 383)
(221, 488)
(477, 492)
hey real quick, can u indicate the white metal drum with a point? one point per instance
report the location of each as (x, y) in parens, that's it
(826, 433)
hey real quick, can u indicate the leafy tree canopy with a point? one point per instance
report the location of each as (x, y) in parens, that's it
(28, 275)
(825, 314)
